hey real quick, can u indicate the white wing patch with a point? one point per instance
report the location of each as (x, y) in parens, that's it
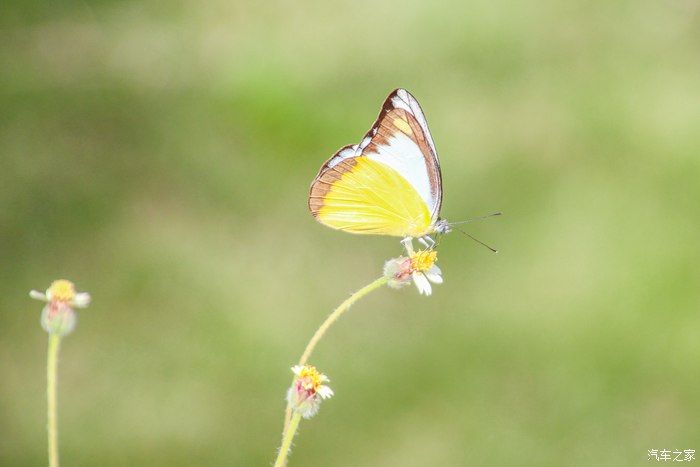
(345, 153)
(404, 156)
(350, 151)
(404, 100)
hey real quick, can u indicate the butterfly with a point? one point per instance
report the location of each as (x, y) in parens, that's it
(388, 184)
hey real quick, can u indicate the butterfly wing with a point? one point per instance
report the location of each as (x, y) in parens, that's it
(390, 183)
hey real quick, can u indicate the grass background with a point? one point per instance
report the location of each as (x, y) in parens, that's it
(159, 155)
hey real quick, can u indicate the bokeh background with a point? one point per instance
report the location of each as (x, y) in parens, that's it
(159, 154)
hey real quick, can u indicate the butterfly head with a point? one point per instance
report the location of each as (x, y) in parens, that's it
(442, 227)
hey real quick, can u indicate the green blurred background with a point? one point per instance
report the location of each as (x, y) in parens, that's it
(159, 155)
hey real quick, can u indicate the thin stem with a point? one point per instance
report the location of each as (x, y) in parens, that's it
(51, 364)
(337, 313)
(287, 440)
(332, 318)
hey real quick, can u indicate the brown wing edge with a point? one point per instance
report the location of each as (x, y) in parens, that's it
(324, 179)
(316, 192)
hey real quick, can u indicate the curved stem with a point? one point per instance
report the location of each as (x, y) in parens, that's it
(51, 365)
(287, 440)
(337, 313)
(332, 318)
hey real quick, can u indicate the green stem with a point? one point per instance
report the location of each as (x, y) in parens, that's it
(332, 318)
(51, 364)
(337, 313)
(287, 440)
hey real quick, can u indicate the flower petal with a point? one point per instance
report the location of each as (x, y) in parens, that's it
(433, 275)
(296, 369)
(36, 295)
(325, 392)
(422, 283)
(81, 300)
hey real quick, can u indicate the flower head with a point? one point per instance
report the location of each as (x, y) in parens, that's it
(418, 265)
(308, 391)
(424, 270)
(423, 260)
(58, 316)
(62, 291)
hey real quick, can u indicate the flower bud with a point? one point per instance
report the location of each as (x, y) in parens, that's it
(398, 272)
(58, 318)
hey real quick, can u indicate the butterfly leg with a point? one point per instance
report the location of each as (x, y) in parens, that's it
(408, 245)
(427, 241)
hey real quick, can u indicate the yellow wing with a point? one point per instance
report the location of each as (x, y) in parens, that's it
(363, 196)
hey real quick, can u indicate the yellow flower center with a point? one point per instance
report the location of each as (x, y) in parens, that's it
(311, 378)
(62, 290)
(423, 260)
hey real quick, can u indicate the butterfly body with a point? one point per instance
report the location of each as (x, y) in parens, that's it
(388, 184)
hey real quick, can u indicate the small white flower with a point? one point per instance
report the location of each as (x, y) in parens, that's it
(419, 266)
(58, 316)
(62, 291)
(307, 391)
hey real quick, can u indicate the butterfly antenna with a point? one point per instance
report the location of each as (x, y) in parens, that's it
(477, 240)
(493, 214)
